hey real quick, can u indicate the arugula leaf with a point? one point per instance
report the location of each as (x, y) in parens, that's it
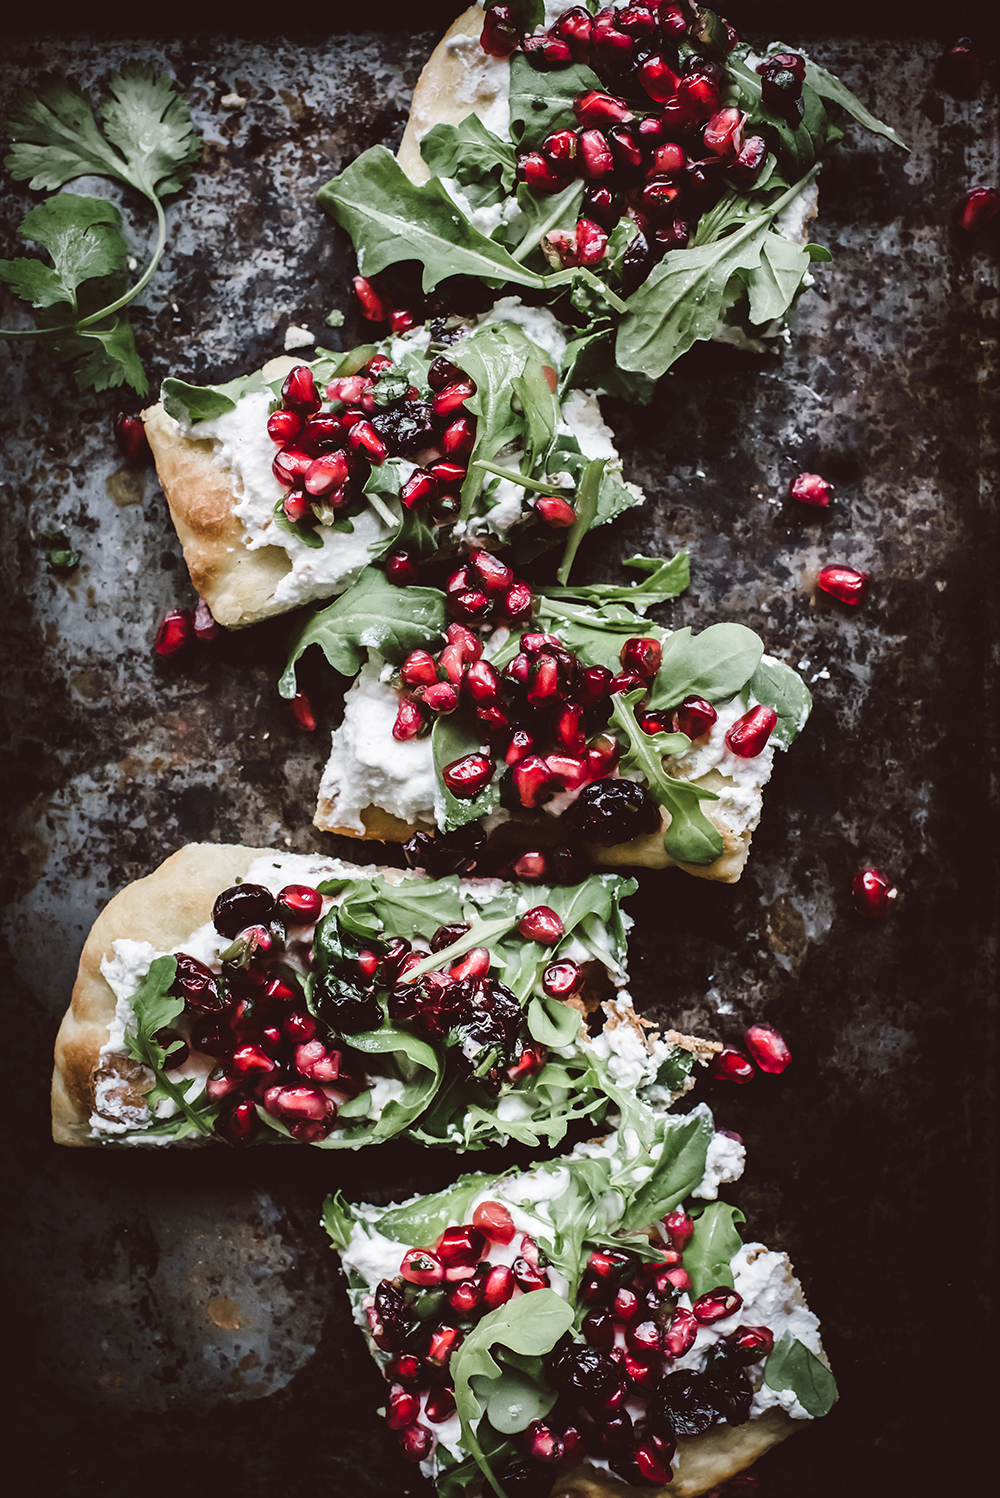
(494, 357)
(829, 87)
(421, 1223)
(553, 1023)
(792, 1366)
(481, 163)
(690, 837)
(543, 102)
(538, 215)
(714, 1243)
(530, 1325)
(374, 615)
(337, 1220)
(587, 496)
(666, 580)
(772, 285)
(155, 1008)
(196, 403)
(452, 738)
(81, 235)
(715, 664)
(307, 534)
(420, 1067)
(778, 686)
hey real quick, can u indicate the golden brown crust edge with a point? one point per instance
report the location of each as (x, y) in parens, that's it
(237, 584)
(163, 908)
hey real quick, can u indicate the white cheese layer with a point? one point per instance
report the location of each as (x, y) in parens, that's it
(740, 800)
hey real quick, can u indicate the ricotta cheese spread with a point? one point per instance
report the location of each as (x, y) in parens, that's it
(724, 1163)
(740, 793)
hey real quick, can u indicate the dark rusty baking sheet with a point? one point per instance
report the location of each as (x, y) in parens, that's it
(177, 1319)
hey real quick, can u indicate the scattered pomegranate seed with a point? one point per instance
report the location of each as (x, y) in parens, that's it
(284, 426)
(626, 681)
(652, 1462)
(767, 1048)
(239, 1124)
(204, 625)
(541, 924)
(291, 465)
(846, 584)
(716, 1305)
(595, 108)
(541, 1442)
(642, 656)
(374, 307)
(977, 208)
(680, 1334)
(466, 777)
(749, 734)
(445, 1340)
(644, 1337)
(440, 1403)
(521, 745)
(810, 489)
(596, 159)
(463, 1245)
(529, 1277)
(299, 904)
(176, 632)
(680, 1227)
(745, 170)
(500, 34)
(300, 710)
(960, 69)
(410, 721)
(459, 437)
(731, 1065)
(419, 669)
(441, 698)
(349, 388)
(518, 603)
(695, 717)
(658, 78)
(421, 1267)
(416, 1442)
(130, 436)
(561, 979)
(555, 511)
(724, 132)
(499, 1286)
(873, 893)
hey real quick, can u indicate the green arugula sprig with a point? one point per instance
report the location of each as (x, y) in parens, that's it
(155, 1009)
(147, 142)
(690, 837)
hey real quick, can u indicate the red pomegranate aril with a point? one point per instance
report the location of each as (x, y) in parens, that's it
(748, 1344)
(459, 437)
(291, 465)
(678, 1277)
(745, 168)
(538, 173)
(873, 893)
(499, 1286)
(440, 1403)
(700, 95)
(421, 1267)
(501, 34)
(299, 904)
(658, 78)
(668, 160)
(329, 471)
(374, 306)
(810, 489)
(625, 148)
(482, 684)
(297, 506)
(494, 721)
(591, 242)
(680, 1334)
(568, 729)
(402, 320)
(652, 1464)
(410, 721)
(595, 155)
(492, 575)
(470, 605)
(300, 710)
(767, 1048)
(441, 698)
(130, 438)
(494, 1221)
(451, 663)
(299, 391)
(730, 1065)
(716, 1305)
(598, 1328)
(475, 964)
(554, 510)
(658, 197)
(205, 628)
(561, 979)
(846, 584)
(976, 208)
(680, 1227)
(626, 681)
(284, 426)
(461, 1245)
(317, 1061)
(642, 656)
(547, 51)
(544, 684)
(175, 632)
(406, 1369)
(543, 925)
(323, 430)
(520, 747)
(250, 1058)
(673, 21)
(594, 108)
(723, 134)
(221, 1084)
(694, 717)
(299, 1026)
(601, 757)
(418, 489)
(303, 1104)
(212, 1037)
(625, 1306)
(402, 1408)
(349, 388)
(542, 1443)
(419, 669)
(750, 733)
(517, 603)
(469, 644)
(570, 770)
(638, 20)
(594, 684)
(533, 781)
(644, 1337)
(575, 26)
(612, 47)
(527, 1276)
(960, 69)
(363, 438)
(416, 1442)
(401, 569)
(448, 474)
(560, 149)
(445, 1340)
(466, 777)
(238, 1124)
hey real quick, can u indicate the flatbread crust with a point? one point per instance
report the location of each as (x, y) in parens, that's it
(164, 908)
(237, 584)
(455, 80)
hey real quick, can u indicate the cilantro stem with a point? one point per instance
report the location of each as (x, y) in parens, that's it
(517, 478)
(123, 300)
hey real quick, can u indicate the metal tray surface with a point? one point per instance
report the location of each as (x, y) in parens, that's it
(178, 1323)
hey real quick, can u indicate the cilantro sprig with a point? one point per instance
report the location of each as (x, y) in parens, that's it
(145, 141)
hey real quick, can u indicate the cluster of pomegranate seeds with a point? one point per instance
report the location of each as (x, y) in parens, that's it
(976, 208)
(846, 584)
(665, 161)
(180, 628)
(130, 437)
(766, 1046)
(873, 893)
(633, 1330)
(810, 489)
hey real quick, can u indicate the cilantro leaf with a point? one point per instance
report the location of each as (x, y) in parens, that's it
(151, 126)
(105, 356)
(81, 235)
(60, 556)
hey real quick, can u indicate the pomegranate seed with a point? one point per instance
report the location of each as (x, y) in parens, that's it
(680, 1334)
(596, 159)
(482, 684)
(529, 1277)
(668, 159)
(767, 1048)
(599, 1329)
(960, 69)
(238, 1125)
(625, 148)
(469, 644)
(730, 1065)
(469, 605)
(452, 397)
(407, 1369)
(441, 698)
(402, 1408)
(410, 721)
(421, 1267)
(673, 21)
(459, 437)
(130, 436)
(500, 34)
(440, 1403)
(625, 1306)
(873, 894)
(220, 1084)
(420, 487)
(517, 603)
(416, 1441)
(678, 1277)
(541, 924)
(349, 388)
(374, 307)
(530, 1061)
(749, 734)
(652, 1465)
(613, 47)
(494, 1220)
(644, 1373)
(205, 628)
(363, 438)
(499, 1286)
(642, 656)
(561, 979)
(299, 1026)
(594, 685)
(680, 1227)
(493, 575)
(538, 173)
(673, 234)
(461, 1245)
(520, 747)
(541, 1442)
(745, 169)
(533, 781)
(595, 108)
(575, 26)
(401, 321)
(846, 584)
(300, 710)
(699, 93)
(544, 684)
(560, 149)
(637, 20)
(724, 132)
(548, 51)
(445, 1340)
(451, 663)
(329, 471)
(298, 1104)
(569, 770)
(750, 1343)
(626, 681)
(401, 569)
(284, 426)
(977, 208)
(716, 1305)
(568, 729)
(658, 78)
(299, 391)
(644, 1338)
(297, 506)
(299, 904)
(466, 777)
(175, 632)
(419, 669)
(810, 489)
